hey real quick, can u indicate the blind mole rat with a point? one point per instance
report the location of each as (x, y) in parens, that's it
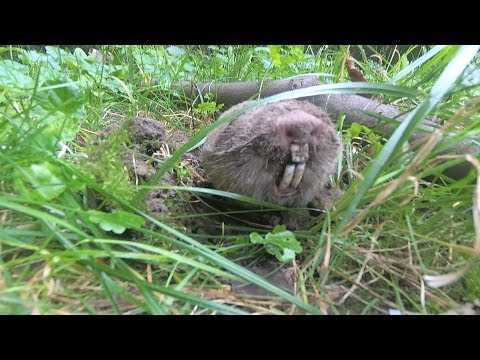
(283, 152)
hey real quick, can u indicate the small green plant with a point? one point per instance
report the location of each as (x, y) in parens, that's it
(47, 180)
(280, 242)
(117, 222)
(356, 129)
(181, 170)
(208, 108)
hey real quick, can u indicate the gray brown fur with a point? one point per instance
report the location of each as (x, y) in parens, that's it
(248, 156)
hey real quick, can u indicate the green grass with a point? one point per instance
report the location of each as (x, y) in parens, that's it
(400, 217)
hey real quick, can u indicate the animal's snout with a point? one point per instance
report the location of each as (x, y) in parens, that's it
(298, 127)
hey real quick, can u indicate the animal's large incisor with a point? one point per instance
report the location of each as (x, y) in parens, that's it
(282, 152)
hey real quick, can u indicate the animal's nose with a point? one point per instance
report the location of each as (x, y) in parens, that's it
(298, 126)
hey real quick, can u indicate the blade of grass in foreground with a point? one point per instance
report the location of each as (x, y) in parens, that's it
(444, 83)
(152, 254)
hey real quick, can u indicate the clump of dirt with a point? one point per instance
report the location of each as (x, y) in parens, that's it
(144, 144)
(151, 144)
(177, 139)
(147, 135)
(147, 130)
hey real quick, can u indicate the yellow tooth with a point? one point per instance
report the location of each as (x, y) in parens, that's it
(287, 177)
(298, 175)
